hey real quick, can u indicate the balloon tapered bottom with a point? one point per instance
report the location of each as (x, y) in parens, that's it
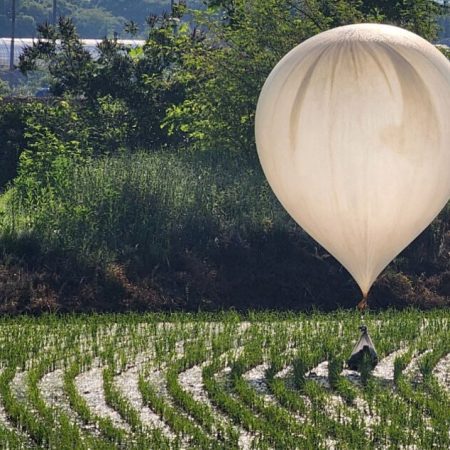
(362, 305)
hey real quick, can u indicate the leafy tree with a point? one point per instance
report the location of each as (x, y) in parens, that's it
(142, 79)
(418, 16)
(47, 162)
(226, 74)
(68, 62)
(203, 85)
(12, 130)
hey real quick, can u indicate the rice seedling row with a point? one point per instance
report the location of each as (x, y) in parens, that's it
(222, 381)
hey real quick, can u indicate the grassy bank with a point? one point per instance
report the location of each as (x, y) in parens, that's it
(182, 230)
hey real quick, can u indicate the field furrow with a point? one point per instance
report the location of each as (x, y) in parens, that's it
(442, 372)
(127, 383)
(90, 387)
(135, 382)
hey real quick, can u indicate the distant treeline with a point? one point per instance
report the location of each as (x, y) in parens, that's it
(100, 18)
(94, 19)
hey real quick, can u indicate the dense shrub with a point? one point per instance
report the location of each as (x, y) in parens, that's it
(139, 83)
(13, 141)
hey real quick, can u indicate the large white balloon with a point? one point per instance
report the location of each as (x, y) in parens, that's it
(352, 130)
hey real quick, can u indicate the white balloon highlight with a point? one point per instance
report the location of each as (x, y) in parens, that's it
(352, 131)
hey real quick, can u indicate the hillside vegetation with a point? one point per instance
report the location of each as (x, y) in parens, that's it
(136, 185)
(94, 19)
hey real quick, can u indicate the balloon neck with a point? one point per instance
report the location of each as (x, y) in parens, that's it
(362, 305)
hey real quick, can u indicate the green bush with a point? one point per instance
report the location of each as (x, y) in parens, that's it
(12, 128)
(146, 205)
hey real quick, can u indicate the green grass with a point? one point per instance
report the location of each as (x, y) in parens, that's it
(146, 206)
(192, 230)
(198, 230)
(299, 412)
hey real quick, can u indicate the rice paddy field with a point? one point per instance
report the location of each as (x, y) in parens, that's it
(224, 381)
